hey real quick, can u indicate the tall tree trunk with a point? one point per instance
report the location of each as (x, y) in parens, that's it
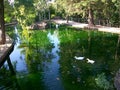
(67, 18)
(90, 17)
(49, 14)
(2, 23)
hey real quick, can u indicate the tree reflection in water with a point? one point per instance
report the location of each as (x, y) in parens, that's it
(117, 58)
(117, 53)
(79, 75)
(8, 77)
(49, 63)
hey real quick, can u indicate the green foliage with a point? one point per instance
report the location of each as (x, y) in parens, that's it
(114, 0)
(39, 37)
(87, 44)
(74, 74)
(22, 11)
(9, 12)
(31, 81)
(24, 15)
(108, 10)
(29, 11)
(25, 36)
(102, 82)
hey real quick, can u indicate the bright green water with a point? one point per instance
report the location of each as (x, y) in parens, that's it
(44, 60)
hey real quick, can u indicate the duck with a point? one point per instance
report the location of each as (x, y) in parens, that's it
(79, 58)
(90, 61)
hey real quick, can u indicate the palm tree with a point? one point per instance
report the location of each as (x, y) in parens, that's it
(2, 23)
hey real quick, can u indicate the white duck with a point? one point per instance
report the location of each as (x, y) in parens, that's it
(90, 61)
(79, 58)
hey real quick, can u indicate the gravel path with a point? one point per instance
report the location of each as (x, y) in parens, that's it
(83, 25)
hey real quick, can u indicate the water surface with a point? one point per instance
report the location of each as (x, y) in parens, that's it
(45, 60)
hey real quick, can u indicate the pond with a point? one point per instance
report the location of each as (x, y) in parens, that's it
(63, 59)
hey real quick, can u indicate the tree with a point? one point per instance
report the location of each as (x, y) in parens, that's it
(77, 7)
(24, 12)
(70, 7)
(115, 18)
(41, 8)
(3, 38)
(89, 8)
(9, 15)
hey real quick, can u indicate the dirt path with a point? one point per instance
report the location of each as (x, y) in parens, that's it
(83, 25)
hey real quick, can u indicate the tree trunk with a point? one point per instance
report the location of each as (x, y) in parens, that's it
(90, 17)
(2, 23)
(67, 17)
(49, 14)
